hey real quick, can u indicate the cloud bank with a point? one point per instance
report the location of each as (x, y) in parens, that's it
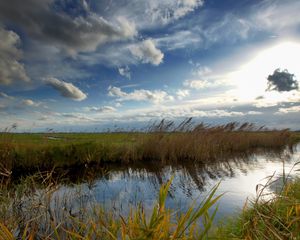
(73, 34)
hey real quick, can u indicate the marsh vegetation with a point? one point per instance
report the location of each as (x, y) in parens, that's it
(50, 183)
(161, 143)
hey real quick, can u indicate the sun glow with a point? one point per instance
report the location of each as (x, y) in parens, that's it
(251, 78)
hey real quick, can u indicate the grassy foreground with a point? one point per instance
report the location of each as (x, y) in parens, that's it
(37, 218)
(29, 214)
(267, 217)
(163, 143)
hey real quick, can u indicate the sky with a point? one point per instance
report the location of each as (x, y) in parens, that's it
(84, 65)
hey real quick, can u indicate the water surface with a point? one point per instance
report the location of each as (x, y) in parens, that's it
(123, 186)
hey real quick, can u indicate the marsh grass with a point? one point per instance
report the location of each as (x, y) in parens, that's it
(27, 213)
(163, 142)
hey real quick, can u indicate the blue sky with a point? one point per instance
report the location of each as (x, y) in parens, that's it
(83, 65)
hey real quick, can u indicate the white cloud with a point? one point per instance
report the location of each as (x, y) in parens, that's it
(265, 104)
(150, 14)
(30, 103)
(294, 109)
(182, 93)
(178, 40)
(85, 5)
(270, 16)
(186, 6)
(178, 112)
(254, 113)
(67, 90)
(125, 71)
(104, 109)
(230, 28)
(203, 78)
(11, 70)
(146, 52)
(276, 16)
(156, 96)
(118, 104)
(201, 71)
(202, 84)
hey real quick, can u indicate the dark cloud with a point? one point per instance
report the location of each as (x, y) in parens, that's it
(259, 97)
(11, 69)
(282, 81)
(83, 33)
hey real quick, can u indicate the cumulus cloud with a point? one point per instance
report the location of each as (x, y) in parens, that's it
(146, 52)
(282, 81)
(82, 33)
(125, 71)
(30, 103)
(156, 96)
(104, 109)
(66, 89)
(186, 6)
(11, 70)
(203, 78)
(293, 109)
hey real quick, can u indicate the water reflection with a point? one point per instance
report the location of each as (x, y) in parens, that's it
(119, 187)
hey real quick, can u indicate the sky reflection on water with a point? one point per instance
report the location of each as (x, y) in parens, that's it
(128, 186)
